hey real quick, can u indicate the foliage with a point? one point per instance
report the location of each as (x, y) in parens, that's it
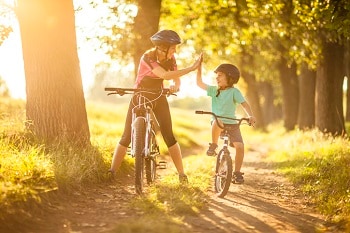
(4, 91)
(115, 35)
(6, 16)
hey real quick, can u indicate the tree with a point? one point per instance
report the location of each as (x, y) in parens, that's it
(334, 34)
(307, 85)
(128, 39)
(55, 107)
(329, 94)
(146, 24)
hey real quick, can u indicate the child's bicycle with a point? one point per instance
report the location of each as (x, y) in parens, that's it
(144, 146)
(223, 167)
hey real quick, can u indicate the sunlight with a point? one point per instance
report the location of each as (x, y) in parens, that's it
(90, 54)
(10, 3)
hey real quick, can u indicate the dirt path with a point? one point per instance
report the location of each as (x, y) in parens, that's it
(265, 203)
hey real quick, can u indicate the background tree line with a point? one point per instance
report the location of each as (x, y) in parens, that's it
(293, 55)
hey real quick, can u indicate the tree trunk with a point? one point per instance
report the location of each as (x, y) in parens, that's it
(290, 93)
(146, 24)
(253, 90)
(307, 85)
(329, 92)
(272, 111)
(55, 106)
(347, 74)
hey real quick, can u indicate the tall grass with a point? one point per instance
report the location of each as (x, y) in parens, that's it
(320, 165)
(316, 162)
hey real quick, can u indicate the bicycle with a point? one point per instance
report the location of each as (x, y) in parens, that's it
(144, 145)
(223, 168)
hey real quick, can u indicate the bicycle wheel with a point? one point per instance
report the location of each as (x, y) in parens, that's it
(151, 161)
(223, 173)
(139, 132)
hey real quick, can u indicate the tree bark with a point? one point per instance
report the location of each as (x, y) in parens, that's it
(272, 111)
(252, 92)
(146, 24)
(329, 92)
(307, 85)
(55, 106)
(290, 93)
(347, 74)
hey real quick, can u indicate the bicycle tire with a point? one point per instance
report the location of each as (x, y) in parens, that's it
(139, 133)
(223, 173)
(151, 161)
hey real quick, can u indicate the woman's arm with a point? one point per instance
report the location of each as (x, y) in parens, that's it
(168, 75)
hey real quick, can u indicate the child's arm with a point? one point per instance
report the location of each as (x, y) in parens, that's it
(249, 112)
(200, 82)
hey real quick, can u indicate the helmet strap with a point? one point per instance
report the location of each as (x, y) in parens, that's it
(164, 51)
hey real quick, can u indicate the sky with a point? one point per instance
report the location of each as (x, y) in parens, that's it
(12, 67)
(11, 59)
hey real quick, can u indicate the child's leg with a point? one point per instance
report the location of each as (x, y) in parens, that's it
(238, 175)
(239, 146)
(215, 134)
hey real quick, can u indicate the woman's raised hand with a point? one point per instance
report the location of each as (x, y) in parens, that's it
(197, 62)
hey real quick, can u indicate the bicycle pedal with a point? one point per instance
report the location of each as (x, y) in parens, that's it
(162, 164)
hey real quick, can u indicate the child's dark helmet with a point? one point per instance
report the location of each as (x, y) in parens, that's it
(232, 73)
(165, 37)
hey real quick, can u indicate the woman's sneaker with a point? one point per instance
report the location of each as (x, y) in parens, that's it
(212, 147)
(111, 175)
(238, 178)
(183, 179)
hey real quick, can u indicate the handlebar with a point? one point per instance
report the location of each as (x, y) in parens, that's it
(240, 120)
(123, 91)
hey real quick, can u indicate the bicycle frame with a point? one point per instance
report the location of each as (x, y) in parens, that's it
(144, 146)
(223, 167)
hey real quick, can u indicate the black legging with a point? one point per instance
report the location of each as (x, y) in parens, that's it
(162, 113)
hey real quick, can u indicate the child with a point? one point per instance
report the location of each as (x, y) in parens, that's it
(225, 99)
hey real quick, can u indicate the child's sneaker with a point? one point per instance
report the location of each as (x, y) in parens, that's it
(238, 178)
(212, 147)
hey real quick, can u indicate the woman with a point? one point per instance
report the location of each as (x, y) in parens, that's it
(157, 65)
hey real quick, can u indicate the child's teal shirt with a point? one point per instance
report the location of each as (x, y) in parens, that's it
(226, 103)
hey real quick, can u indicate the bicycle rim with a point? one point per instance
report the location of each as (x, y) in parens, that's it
(151, 162)
(139, 145)
(223, 173)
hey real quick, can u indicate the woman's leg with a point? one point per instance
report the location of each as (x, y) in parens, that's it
(176, 156)
(162, 113)
(121, 149)
(118, 156)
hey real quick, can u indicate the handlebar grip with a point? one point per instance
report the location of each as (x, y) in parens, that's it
(110, 89)
(199, 112)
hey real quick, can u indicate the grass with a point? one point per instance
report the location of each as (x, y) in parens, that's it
(317, 163)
